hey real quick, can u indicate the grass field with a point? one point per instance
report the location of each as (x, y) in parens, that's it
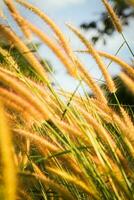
(55, 144)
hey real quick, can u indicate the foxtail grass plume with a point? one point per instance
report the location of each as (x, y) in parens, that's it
(115, 19)
(9, 170)
(96, 57)
(125, 66)
(14, 12)
(64, 42)
(11, 36)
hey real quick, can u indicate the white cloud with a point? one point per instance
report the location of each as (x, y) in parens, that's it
(63, 3)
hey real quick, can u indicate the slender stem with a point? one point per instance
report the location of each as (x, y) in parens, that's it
(127, 44)
(70, 100)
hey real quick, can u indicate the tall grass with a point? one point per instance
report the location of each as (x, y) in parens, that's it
(62, 145)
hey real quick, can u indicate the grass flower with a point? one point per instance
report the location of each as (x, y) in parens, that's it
(113, 16)
(6, 149)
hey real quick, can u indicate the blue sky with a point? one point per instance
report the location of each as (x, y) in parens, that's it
(76, 12)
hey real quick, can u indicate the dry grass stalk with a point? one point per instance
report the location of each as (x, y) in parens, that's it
(16, 16)
(70, 130)
(72, 179)
(20, 102)
(91, 83)
(40, 90)
(64, 42)
(37, 140)
(119, 61)
(23, 91)
(25, 51)
(53, 46)
(92, 108)
(97, 58)
(65, 194)
(128, 122)
(11, 64)
(13, 106)
(100, 130)
(115, 19)
(7, 159)
(115, 59)
(122, 126)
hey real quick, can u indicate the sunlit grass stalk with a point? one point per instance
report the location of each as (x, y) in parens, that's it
(37, 140)
(40, 176)
(91, 83)
(115, 59)
(7, 151)
(22, 90)
(64, 42)
(53, 46)
(46, 181)
(72, 179)
(127, 118)
(100, 129)
(41, 91)
(13, 106)
(20, 102)
(25, 51)
(96, 57)
(125, 130)
(15, 13)
(45, 95)
(11, 64)
(115, 19)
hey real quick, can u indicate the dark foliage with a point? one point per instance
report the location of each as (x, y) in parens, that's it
(103, 26)
(124, 96)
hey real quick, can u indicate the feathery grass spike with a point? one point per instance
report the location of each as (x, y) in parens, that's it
(96, 57)
(7, 159)
(115, 19)
(16, 16)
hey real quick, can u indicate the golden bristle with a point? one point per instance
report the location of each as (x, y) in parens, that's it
(7, 158)
(85, 75)
(11, 36)
(17, 86)
(115, 19)
(63, 41)
(96, 57)
(53, 46)
(128, 122)
(115, 59)
(16, 16)
(64, 193)
(10, 62)
(37, 140)
(72, 179)
(20, 102)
